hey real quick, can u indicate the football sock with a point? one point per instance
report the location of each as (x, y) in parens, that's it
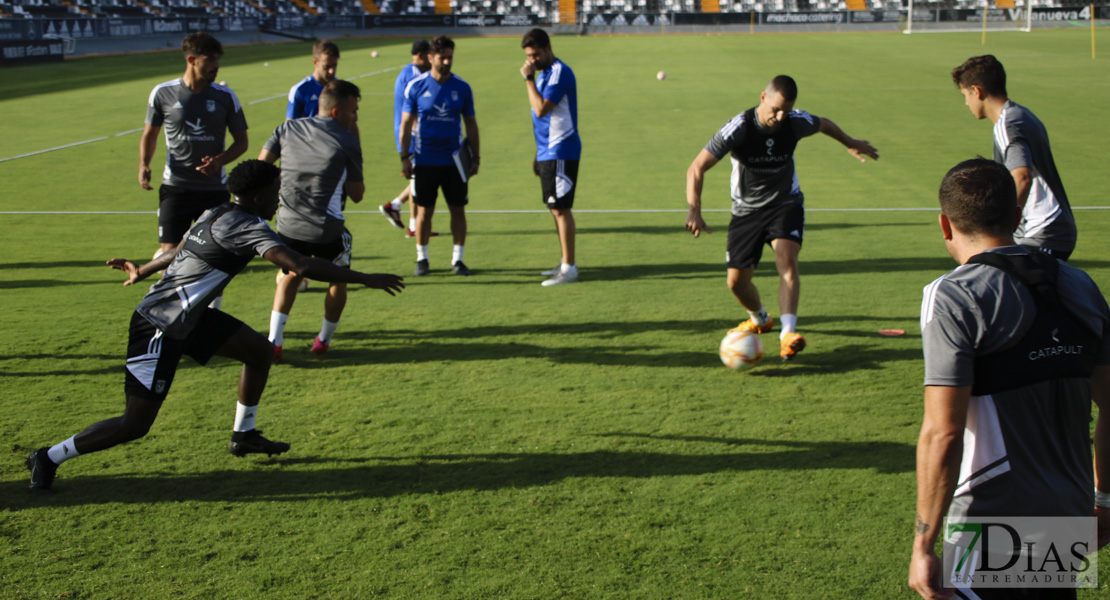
(565, 268)
(244, 417)
(327, 330)
(421, 252)
(456, 254)
(412, 223)
(217, 303)
(396, 204)
(789, 323)
(277, 327)
(62, 452)
(760, 317)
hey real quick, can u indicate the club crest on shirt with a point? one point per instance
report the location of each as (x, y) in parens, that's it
(771, 147)
(211, 104)
(454, 95)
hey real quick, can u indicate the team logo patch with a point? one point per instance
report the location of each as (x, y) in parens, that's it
(551, 199)
(770, 147)
(160, 386)
(211, 104)
(454, 95)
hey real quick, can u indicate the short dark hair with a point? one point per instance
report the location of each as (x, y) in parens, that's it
(984, 72)
(251, 176)
(421, 47)
(201, 43)
(336, 93)
(784, 84)
(979, 196)
(442, 43)
(536, 38)
(325, 47)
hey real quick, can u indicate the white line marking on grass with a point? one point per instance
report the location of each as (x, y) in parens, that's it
(130, 131)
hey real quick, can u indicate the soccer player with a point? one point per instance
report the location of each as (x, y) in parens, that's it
(197, 114)
(435, 104)
(1021, 144)
(1016, 346)
(173, 319)
(767, 203)
(553, 97)
(321, 160)
(304, 98)
(420, 64)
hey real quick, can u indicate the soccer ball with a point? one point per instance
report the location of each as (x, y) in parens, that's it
(741, 350)
(661, 75)
(374, 54)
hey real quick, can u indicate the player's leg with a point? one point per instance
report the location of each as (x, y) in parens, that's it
(455, 193)
(425, 188)
(557, 183)
(744, 249)
(336, 299)
(285, 294)
(786, 226)
(210, 338)
(392, 209)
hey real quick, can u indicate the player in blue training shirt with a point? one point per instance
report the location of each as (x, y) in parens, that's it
(420, 64)
(304, 98)
(436, 105)
(553, 97)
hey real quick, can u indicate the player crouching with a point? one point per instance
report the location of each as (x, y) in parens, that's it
(174, 319)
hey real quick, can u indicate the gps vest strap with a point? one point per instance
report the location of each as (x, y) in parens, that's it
(1057, 345)
(200, 243)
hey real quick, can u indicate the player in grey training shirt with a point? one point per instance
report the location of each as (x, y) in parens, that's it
(1021, 144)
(197, 113)
(1016, 345)
(766, 200)
(321, 166)
(173, 319)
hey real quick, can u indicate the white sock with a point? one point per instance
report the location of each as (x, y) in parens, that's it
(456, 254)
(760, 317)
(244, 417)
(277, 327)
(789, 324)
(396, 204)
(421, 252)
(62, 452)
(327, 330)
(412, 224)
(217, 303)
(565, 268)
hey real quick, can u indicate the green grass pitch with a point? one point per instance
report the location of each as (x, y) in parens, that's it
(487, 437)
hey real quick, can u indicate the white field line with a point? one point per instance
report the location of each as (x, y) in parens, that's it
(100, 139)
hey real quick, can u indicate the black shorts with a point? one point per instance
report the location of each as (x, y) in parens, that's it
(748, 234)
(178, 208)
(152, 356)
(427, 179)
(558, 180)
(338, 251)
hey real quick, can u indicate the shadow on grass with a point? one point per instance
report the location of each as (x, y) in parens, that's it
(293, 479)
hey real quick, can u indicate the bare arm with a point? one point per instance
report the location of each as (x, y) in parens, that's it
(210, 165)
(136, 273)
(407, 120)
(322, 270)
(695, 176)
(147, 141)
(355, 190)
(267, 156)
(1023, 179)
(539, 106)
(939, 451)
(1100, 394)
(471, 124)
(855, 147)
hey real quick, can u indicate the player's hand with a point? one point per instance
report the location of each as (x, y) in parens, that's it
(144, 177)
(860, 148)
(209, 165)
(385, 282)
(406, 168)
(925, 579)
(474, 166)
(126, 266)
(695, 224)
(1103, 515)
(527, 69)
(536, 166)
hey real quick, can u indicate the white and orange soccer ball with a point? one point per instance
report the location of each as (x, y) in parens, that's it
(741, 350)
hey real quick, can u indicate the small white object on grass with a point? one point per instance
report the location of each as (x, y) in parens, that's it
(374, 54)
(265, 64)
(661, 75)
